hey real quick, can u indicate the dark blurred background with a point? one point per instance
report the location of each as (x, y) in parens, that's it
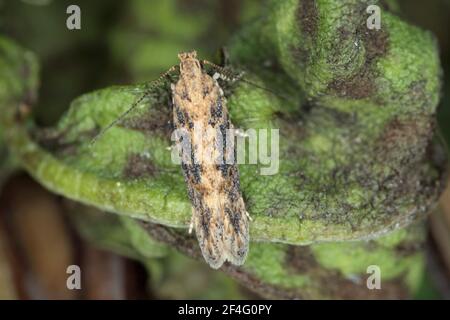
(124, 42)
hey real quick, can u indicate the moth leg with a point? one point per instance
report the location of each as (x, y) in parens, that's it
(248, 215)
(240, 133)
(228, 75)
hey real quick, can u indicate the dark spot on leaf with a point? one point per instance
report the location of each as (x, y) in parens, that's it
(404, 141)
(392, 172)
(56, 141)
(139, 166)
(358, 86)
(300, 260)
(291, 125)
(308, 17)
(405, 249)
(376, 44)
(157, 120)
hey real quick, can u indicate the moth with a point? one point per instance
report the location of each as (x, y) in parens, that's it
(218, 209)
(219, 217)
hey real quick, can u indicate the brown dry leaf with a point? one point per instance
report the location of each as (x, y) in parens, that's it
(8, 290)
(43, 238)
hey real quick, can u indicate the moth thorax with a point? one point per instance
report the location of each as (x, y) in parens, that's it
(190, 68)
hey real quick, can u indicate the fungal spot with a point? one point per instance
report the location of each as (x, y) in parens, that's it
(405, 249)
(361, 84)
(139, 166)
(376, 43)
(290, 125)
(308, 17)
(57, 141)
(157, 120)
(358, 86)
(300, 260)
(404, 141)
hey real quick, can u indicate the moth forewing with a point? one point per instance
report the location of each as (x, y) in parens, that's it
(219, 215)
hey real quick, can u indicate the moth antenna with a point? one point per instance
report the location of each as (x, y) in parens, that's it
(134, 105)
(239, 77)
(109, 126)
(222, 70)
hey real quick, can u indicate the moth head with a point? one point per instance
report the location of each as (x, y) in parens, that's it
(189, 63)
(187, 55)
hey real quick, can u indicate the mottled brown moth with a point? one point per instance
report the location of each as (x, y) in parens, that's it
(219, 217)
(218, 210)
